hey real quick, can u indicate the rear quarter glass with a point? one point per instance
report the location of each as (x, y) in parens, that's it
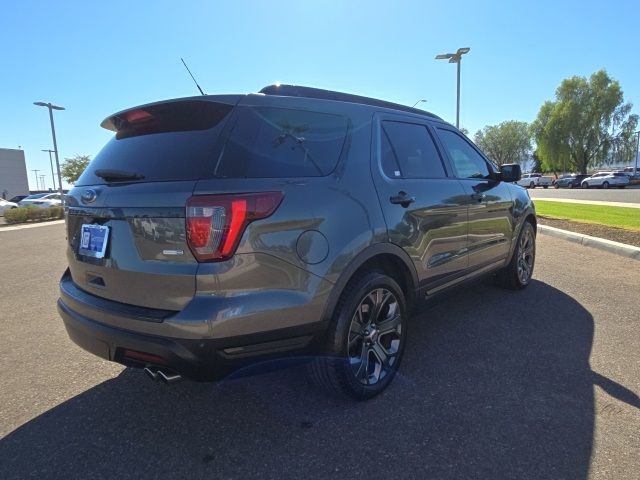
(163, 142)
(270, 142)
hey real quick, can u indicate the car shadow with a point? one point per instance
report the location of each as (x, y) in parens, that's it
(491, 386)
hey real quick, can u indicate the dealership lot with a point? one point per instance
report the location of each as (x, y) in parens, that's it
(536, 384)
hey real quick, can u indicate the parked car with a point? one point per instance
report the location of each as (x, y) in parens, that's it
(6, 205)
(606, 180)
(17, 198)
(570, 181)
(533, 180)
(545, 181)
(299, 238)
(42, 200)
(30, 198)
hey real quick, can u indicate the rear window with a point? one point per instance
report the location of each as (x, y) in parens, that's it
(169, 141)
(268, 142)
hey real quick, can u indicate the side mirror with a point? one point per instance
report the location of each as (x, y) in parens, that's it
(510, 172)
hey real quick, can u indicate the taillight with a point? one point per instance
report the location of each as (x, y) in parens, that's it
(215, 223)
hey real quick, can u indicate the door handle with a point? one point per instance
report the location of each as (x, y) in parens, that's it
(402, 199)
(478, 196)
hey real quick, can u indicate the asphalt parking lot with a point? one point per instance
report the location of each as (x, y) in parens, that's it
(539, 384)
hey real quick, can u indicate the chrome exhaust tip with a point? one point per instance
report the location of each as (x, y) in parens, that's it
(169, 377)
(152, 374)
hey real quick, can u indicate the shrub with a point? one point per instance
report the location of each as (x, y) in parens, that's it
(16, 215)
(25, 214)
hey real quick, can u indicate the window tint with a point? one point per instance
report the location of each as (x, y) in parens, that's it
(277, 142)
(466, 161)
(169, 141)
(408, 151)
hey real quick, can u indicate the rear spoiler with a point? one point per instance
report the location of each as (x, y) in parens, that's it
(181, 106)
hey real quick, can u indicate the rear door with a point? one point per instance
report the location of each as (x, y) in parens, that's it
(138, 187)
(425, 210)
(490, 206)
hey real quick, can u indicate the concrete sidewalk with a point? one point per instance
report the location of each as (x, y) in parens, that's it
(23, 226)
(588, 202)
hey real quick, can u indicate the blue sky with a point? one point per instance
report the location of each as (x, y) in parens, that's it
(95, 58)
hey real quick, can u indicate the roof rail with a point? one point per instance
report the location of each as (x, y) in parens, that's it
(310, 92)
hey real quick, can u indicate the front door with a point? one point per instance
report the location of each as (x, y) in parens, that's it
(490, 219)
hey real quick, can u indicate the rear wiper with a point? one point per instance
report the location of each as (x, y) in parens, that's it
(115, 175)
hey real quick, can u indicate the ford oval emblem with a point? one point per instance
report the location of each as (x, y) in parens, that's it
(89, 196)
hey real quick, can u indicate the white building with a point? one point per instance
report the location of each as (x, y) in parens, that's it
(13, 173)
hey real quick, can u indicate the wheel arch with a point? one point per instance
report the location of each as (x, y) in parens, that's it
(385, 257)
(527, 216)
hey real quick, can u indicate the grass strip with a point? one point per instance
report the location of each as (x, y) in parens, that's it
(620, 217)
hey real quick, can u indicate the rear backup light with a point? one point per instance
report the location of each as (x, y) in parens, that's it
(215, 223)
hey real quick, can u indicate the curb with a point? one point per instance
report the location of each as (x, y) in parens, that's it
(600, 243)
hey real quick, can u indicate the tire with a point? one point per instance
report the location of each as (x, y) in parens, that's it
(605, 185)
(585, 185)
(515, 276)
(545, 186)
(532, 185)
(355, 337)
(556, 186)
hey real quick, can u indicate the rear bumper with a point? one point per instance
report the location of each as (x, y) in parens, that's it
(202, 358)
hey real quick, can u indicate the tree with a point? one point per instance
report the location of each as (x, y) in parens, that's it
(537, 164)
(585, 124)
(73, 167)
(508, 142)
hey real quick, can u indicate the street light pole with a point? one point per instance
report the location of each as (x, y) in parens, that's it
(35, 172)
(459, 62)
(55, 144)
(455, 58)
(635, 169)
(44, 187)
(51, 163)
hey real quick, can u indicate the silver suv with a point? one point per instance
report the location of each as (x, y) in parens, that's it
(217, 231)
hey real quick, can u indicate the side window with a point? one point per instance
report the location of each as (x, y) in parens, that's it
(467, 163)
(408, 151)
